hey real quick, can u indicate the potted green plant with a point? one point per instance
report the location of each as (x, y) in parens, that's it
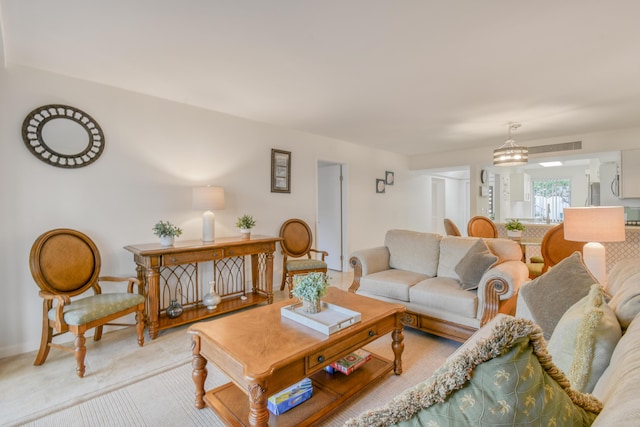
(245, 223)
(514, 228)
(167, 232)
(310, 288)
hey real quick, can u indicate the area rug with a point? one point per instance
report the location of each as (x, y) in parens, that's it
(166, 398)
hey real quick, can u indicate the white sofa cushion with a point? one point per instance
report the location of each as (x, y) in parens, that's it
(391, 283)
(504, 249)
(444, 293)
(413, 251)
(619, 385)
(624, 284)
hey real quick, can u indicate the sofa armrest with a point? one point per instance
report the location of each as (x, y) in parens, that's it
(368, 261)
(500, 284)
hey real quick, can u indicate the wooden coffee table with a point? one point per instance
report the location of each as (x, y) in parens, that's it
(263, 353)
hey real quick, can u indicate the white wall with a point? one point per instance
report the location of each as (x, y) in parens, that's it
(155, 152)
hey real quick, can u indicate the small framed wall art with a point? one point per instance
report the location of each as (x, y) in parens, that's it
(380, 185)
(389, 177)
(280, 171)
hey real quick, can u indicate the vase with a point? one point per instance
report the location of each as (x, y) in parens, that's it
(311, 307)
(175, 309)
(245, 233)
(166, 241)
(211, 299)
(514, 233)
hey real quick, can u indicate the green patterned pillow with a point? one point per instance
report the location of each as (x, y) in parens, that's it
(507, 379)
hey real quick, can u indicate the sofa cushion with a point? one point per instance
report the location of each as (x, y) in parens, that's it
(413, 251)
(391, 283)
(624, 284)
(474, 264)
(619, 385)
(505, 249)
(584, 339)
(550, 295)
(452, 250)
(444, 293)
(507, 379)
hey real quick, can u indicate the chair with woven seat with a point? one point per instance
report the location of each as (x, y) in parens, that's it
(450, 228)
(66, 263)
(554, 248)
(296, 251)
(481, 226)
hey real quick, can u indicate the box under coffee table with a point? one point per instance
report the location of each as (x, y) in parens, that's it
(263, 352)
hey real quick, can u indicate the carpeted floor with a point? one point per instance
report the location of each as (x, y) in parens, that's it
(151, 386)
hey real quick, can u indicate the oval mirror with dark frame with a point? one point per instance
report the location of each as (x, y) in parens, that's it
(63, 136)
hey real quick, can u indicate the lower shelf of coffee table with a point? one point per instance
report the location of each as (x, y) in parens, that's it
(329, 392)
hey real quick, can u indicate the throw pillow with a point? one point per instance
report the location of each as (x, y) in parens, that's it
(474, 264)
(584, 339)
(550, 295)
(507, 379)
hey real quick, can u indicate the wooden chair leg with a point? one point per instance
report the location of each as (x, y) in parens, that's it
(290, 284)
(80, 352)
(97, 334)
(284, 279)
(140, 326)
(45, 340)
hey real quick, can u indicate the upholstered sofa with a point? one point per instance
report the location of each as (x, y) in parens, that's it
(450, 285)
(512, 353)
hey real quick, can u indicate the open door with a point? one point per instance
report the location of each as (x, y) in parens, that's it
(330, 214)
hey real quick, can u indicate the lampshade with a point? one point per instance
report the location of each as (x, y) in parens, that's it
(208, 199)
(595, 224)
(510, 153)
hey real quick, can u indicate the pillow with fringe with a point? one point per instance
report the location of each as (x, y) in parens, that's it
(507, 379)
(584, 340)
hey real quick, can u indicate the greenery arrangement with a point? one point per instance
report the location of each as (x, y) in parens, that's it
(165, 228)
(246, 222)
(310, 287)
(514, 225)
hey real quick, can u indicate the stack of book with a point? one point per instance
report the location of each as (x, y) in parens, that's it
(350, 362)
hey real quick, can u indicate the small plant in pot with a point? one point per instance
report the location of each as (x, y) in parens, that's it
(245, 223)
(514, 228)
(310, 288)
(167, 232)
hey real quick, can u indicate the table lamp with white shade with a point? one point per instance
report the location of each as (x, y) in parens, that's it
(208, 199)
(595, 224)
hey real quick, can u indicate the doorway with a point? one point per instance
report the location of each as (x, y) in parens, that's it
(331, 214)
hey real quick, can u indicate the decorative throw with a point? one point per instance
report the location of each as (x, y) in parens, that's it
(507, 379)
(550, 295)
(584, 340)
(474, 264)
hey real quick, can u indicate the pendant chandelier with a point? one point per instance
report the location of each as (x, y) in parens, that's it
(510, 153)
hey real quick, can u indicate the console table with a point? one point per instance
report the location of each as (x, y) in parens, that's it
(174, 273)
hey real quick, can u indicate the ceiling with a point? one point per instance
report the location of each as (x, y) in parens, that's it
(412, 76)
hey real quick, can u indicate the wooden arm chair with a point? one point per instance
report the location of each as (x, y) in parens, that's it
(65, 263)
(554, 248)
(481, 226)
(450, 228)
(296, 243)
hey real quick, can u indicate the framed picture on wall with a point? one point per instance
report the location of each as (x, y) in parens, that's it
(280, 171)
(389, 177)
(380, 185)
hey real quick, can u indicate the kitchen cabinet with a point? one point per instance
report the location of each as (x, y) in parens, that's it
(629, 174)
(520, 186)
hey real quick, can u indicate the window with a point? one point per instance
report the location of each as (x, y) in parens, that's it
(550, 197)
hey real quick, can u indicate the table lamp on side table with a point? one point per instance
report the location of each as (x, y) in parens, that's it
(208, 199)
(595, 224)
